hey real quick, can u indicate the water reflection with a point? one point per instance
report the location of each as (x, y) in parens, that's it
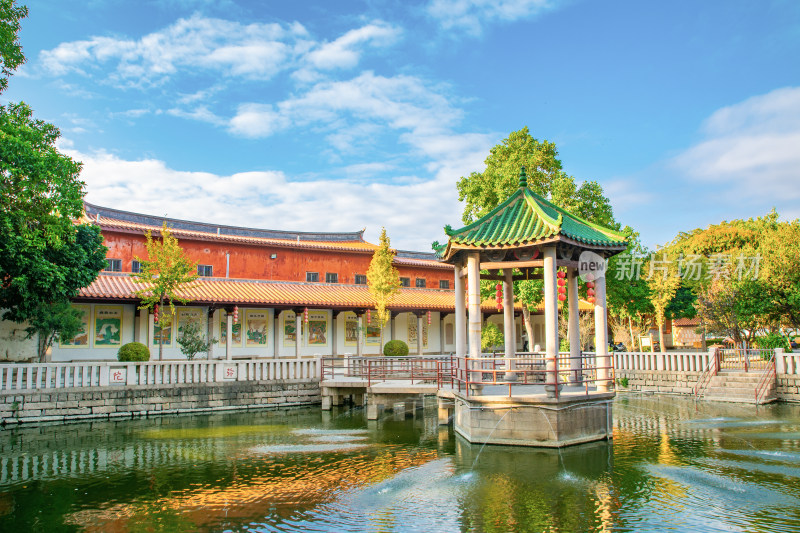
(672, 464)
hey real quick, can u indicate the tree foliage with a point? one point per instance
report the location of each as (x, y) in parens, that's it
(491, 336)
(45, 258)
(383, 279)
(11, 55)
(483, 191)
(192, 340)
(53, 322)
(164, 273)
(746, 274)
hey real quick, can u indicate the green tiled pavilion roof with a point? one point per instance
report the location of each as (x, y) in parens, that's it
(526, 218)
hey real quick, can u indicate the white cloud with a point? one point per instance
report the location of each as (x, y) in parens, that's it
(256, 51)
(413, 210)
(751, 148)
(471, 15)
(345, 52)
(400, 102)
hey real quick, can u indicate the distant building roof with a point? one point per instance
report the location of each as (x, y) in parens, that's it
(117, 220)
(686, 322)
(224, 291)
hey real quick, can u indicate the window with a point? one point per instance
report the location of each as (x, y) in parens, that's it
(405, 282)
(420, 283)
(136, 266)
(331, 277)
(361, 279)
(312, 276)
(205, 271)
(113, 265)
(444, 283)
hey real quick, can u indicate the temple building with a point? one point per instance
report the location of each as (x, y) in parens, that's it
(269, 285)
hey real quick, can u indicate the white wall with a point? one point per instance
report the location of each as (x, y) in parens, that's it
(14, 346)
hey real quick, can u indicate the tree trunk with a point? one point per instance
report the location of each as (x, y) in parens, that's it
(160, 331)
(661, 345)
(526, 321)
(630, 329)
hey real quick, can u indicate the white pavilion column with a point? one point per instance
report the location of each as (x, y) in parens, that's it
(550, 318)
(509, 328)
(298, 332)
(461, 313)
(228, 336)
(360, 340)
(442, 316)
(144, 322)
(474, 290)
(151, 331)
(601, 335)
(574, 325)
(419, 334)
(334, 317)
(474, 294)
(210, 333)
(276, 333)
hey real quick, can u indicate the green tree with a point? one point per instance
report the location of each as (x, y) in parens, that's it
(45, 257)
(663, 281)
(383, 281)
(11, 55)
(483, 191)
(192, 341)
(491, 336)
(53, 322)
(165, 272)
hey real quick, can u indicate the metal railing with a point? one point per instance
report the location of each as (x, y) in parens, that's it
(768, 377)
(583, 372)
(745, 358)
(709, 372)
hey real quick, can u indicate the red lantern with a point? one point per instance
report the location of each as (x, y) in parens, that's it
(562, 297)
(235, 314)
(305, 315)
(561, 282)
(369, 316)
(590, 292)
(561, 274)
(591, 299)
(562, 290)
(155, 313)
(429, 318)
(590, 284)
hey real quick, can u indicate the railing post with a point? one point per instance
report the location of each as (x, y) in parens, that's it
(104, 372)
(130, 374)
(780, 361)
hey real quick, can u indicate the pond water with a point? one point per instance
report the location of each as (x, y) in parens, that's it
(673, 465)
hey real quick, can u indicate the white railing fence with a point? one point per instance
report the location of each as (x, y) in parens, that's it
(757, 360)
(45, 376)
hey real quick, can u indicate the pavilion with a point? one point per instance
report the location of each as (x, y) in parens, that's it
(523, 233)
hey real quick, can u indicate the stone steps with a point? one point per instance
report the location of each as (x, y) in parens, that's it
(730, 386)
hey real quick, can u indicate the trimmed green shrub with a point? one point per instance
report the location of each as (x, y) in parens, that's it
(133, 351)
(395, 349)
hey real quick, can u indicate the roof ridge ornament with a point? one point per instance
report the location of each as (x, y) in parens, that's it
(523, 179)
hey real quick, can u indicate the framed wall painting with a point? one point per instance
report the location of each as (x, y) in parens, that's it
(257, 327)
(236, 338)
(81, 339)
(317, 329)
(107, 326)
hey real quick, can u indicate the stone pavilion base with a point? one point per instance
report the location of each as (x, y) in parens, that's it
(533, 420)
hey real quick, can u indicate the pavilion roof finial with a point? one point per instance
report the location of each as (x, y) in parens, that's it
(523, 179)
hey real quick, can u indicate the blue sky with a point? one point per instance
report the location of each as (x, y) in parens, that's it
(329, 116)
